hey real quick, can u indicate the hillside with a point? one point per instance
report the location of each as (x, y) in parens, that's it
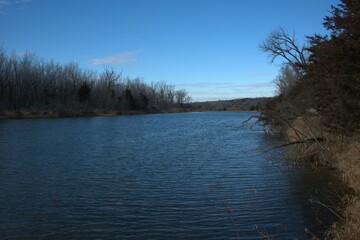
(242, 104)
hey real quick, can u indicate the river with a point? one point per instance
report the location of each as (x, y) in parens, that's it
(157, 176)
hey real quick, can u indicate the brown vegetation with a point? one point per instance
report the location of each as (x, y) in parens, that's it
(347, 159)
(310, 143)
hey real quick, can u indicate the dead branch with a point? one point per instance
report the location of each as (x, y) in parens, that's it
(317, 140)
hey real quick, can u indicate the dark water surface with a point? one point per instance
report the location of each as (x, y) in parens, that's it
(168, 176)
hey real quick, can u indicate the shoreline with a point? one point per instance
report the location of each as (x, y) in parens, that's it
(46, 114)
(336, 152)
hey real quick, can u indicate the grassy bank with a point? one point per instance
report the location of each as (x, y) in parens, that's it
(345, 156)
(310, 143)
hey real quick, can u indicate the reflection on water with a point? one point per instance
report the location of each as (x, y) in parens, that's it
(169, 176)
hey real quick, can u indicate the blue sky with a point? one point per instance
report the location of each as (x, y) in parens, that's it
(208, 47)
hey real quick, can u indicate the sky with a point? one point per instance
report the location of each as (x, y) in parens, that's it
(208, 47)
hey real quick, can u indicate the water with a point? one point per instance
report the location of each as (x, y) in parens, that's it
(168, 176)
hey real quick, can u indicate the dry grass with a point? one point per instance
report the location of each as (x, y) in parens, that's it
(346, 154)
(307, 132)
(340, 152)
(348, 162)
(350, 227)
(304, 128)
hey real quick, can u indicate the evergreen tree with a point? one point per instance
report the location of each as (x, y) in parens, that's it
(334, 69)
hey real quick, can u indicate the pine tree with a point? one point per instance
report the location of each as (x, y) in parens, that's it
(334, 68)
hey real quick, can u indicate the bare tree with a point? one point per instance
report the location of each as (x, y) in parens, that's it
(182, 97)
(286, 80)
(281, 44)
(30, 83)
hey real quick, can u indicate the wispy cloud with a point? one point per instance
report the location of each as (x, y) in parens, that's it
(204, 84)
(215, 90)
(260, 85)
(226, 85)
(261, 74)
(121, 59)
(22, 1)
(4, 3)
(7, 3)
(249, 85)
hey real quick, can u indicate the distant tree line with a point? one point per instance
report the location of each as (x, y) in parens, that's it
(321, 78)
(30, 83)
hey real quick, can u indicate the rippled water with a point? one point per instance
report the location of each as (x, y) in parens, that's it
(168, 176)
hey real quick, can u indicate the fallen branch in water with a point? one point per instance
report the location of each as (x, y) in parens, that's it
(318, 139)
(251, 125)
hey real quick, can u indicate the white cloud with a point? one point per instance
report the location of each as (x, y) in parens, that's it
(124, 58)
(7, 3)
(210, 91)
(226, 85)
(204, 84)
(261, 74)
(22, 1)
(4, 3)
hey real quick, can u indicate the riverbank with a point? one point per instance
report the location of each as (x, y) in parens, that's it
(192, 107)
(23, 114)
(34, 114)
(241, 104)
(322, 149)
(345, 156)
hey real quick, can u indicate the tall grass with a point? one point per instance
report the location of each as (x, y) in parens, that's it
(338, 152)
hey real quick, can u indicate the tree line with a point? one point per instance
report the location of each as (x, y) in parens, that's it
(321, 77)
(30, 83)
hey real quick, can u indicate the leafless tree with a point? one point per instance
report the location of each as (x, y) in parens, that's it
(182, 97)
(281, 44)
(286, 80)
(30, 83)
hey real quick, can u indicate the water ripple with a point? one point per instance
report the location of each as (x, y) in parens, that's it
(170, 176)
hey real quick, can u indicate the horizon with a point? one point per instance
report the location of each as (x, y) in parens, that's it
(209, 48)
